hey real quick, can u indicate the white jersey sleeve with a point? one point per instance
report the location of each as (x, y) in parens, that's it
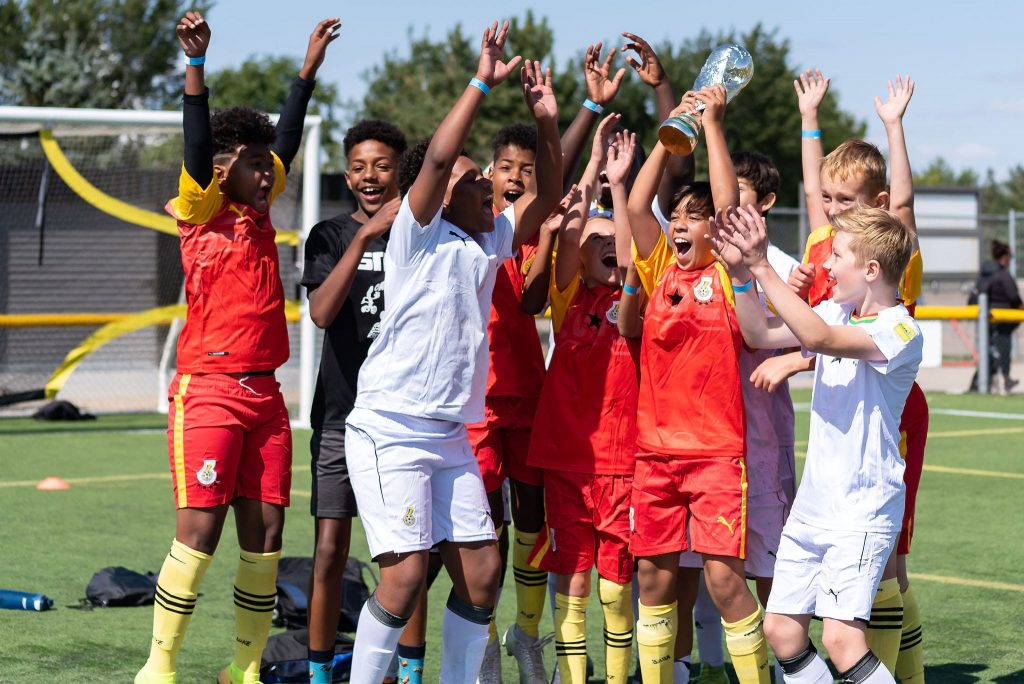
(406, 239)
(897, 336)
(504, 233)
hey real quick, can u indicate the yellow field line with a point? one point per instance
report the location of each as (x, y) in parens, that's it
(975, 433)
(966, 582)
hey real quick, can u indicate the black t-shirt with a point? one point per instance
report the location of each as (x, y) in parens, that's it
(347, 339)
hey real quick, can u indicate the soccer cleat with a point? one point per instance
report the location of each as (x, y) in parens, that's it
(490, 669)
(527, 651)
(711, 674)
(146, 677)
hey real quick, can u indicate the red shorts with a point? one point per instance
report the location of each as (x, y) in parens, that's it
(671, 492)
(587, 525)
(913, 435)
(228, 438)
(501, 442)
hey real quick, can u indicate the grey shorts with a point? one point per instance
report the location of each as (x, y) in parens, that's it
(332, 490)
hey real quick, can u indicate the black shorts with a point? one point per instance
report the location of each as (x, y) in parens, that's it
(333, 496)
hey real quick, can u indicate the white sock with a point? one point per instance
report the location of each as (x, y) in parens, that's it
(376, 640)
(778, 673)
(708, 627)
(869, 670)
(681, 671)
(463, 642)
(814, 672)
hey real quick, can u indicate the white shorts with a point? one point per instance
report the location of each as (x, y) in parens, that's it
(416, 480)
(828, 573)
(765, 516)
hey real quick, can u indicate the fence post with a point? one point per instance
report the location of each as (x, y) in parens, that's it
(1012, 239)
(983, 357)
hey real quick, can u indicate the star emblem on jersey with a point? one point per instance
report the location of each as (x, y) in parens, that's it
(702, 291)
(410, 517)
(207, 475)
(612, 314)
(595, 320)
(675, 298)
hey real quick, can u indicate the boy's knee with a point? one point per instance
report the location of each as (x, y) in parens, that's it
(786, 637)
(844, 642)
(486, 573)
(329, 558)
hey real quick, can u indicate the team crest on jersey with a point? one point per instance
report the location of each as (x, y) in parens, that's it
(207, 475)
(904, 331)
(612, 314)
(410, 517)
(702, 291)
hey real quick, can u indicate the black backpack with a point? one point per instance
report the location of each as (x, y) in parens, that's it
(119, 586)
(293, 574)
(285, 658)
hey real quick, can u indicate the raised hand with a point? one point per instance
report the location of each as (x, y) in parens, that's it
(893, 109)
(646, 63)
(553, 222)
(325, 33)
(381, 221)
(687, 104)
(491, 69)
(745, 230)
(601, 87)
(720, 225)
(537, 91)
(603, 137)
(715, 100)
(193, 34)
(810, 91)
(620, 158)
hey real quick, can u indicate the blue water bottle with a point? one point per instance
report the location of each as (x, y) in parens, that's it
(23, 600)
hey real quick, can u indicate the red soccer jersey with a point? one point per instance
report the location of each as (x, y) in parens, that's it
(517, 361)
(586, 415)
(690, 400)
(235, 321)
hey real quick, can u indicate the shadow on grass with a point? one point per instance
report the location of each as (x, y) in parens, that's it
(955, 673)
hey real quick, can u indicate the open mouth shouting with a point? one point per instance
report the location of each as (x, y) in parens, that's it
(511, 195)
(371, 194)
(682, 245)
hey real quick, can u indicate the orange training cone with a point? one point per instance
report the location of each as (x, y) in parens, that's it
(52, 484)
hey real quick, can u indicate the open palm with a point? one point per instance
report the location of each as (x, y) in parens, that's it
(491, 69)
(537, 91)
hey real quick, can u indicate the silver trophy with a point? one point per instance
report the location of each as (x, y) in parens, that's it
(730, 66)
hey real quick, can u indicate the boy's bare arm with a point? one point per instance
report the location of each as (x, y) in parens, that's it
(428, 190)
(620, 161)
(775, 370)
(680, 170)
(631, 305)
(567, 261)
(901, 178)
(538, 278)
(326, 300)
(725, 190)
(542, 196)
(810, 91)
(601, 90)
(644, 226)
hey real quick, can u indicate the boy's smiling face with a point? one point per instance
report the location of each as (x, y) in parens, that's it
(837, 196)
(468, 198)
(600, 265)
(687, 227)
(510, 174)
(849, 277)
(247, 175)
(371, 174)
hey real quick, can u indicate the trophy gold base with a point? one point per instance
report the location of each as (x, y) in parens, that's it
(679, 134)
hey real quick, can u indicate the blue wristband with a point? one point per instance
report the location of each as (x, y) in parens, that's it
(744, 287)
(816, 133)
(195, 61)
(477, 83)
(629, 289)
(593, 106)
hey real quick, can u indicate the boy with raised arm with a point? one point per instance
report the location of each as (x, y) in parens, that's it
(690, 467)
(855, 174)
(344, 277)
(228, 432)
(846, 517)
(416, 479)
(584, 438)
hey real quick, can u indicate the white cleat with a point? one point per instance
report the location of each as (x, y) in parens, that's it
(490, 669)
(527, 651)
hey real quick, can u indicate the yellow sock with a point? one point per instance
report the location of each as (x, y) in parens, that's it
(176, 591)
(571, 638)
(886, 625)
(531, 584)
(655, 641)
(255, 594)
(910, 663)
(745, 641)
(617, 604)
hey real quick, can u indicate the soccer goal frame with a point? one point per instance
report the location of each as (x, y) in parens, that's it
(48, 117)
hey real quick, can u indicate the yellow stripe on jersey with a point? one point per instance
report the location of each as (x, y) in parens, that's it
(560, 301)
(179, 439)
(651, 269)
(743, 509)
(723, 275)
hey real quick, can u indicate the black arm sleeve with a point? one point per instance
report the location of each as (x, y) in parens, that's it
(198, 138)
(289, 126)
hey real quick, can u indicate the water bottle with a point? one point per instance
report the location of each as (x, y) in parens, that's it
(23, 600)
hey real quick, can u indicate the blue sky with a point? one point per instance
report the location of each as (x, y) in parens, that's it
(967, 59)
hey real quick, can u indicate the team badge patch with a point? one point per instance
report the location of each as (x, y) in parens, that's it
(904, 331)
(207, 475)
(702, 291)
(410, 517)
(612, 314)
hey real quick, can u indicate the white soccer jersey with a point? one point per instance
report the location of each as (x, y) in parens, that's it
(853, 478)
(430, 358)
